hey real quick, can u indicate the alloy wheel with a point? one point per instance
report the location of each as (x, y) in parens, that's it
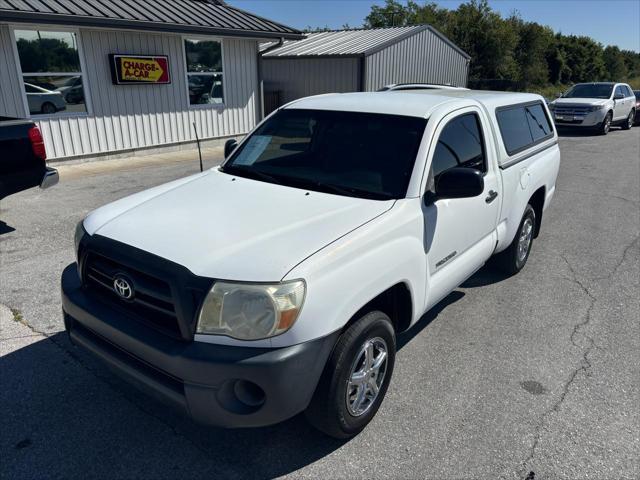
(524, 242)
(366, 376)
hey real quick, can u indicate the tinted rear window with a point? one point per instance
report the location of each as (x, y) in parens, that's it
(522, 126)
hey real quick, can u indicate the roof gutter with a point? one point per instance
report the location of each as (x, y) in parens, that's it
(278, 44)
(84, 21)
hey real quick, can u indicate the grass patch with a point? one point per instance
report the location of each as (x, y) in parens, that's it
(17, 316)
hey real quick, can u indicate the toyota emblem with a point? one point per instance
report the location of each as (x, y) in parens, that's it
(123, 287)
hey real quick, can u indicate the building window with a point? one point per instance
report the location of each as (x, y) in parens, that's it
(51, 72)
(204, 71)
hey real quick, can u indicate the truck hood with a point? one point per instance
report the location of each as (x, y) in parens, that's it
(580, 101)
(232, 228)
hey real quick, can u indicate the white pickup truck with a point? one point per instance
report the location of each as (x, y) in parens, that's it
(278, 282)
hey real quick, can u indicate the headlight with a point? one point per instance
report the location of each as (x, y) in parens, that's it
(77, 237)
(251, 311)
(595, 108)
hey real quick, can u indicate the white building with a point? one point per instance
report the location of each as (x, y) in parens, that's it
(105, 77)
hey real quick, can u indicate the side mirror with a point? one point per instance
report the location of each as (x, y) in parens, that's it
(618, 96)
(459, 182)
(229, 146)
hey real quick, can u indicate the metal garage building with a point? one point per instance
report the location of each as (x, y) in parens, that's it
(112, 76)
(361, 60)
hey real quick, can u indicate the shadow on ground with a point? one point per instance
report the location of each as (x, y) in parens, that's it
(583, 132)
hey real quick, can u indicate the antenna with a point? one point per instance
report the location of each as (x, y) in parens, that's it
(195, 129)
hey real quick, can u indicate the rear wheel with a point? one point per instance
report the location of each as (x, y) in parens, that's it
(356, 377)
(629, 122)
(515, 257)
(605, 126)
(48, 108)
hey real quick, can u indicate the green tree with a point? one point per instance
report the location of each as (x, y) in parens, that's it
(487, 38)
(614, 62)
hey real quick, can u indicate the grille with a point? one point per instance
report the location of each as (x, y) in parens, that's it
(572, 110)
(152, 303)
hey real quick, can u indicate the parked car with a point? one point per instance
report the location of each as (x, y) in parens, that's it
(23, 160)
(637, 117)
(278, 282)
(43, 101)
(420, 86)
(72, 90)
(595, 106)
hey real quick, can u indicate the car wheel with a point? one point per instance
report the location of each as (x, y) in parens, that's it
(48, 108)
(515, 257)
(605, 126)
(629, 123)
(356, 377)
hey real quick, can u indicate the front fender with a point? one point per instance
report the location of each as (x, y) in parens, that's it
(345, 275)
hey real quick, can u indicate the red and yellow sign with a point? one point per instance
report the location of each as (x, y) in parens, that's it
(139, 69)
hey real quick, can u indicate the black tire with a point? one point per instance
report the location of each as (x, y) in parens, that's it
(605, 126)
(629, 122)
(328, 410)
(511, 260)
(48, 108)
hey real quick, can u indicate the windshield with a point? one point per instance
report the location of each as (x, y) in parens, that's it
(590, 90)
(355, 154)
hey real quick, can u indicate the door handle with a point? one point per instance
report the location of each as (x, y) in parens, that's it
(491, 197)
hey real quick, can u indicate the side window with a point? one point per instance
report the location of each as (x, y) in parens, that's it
(523, 126)
(538, 122)
(619, 91)
(461, 144)
(629, 92)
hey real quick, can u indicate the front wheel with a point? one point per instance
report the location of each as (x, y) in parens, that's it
(356, 377)
(515, 257)
(605, 126)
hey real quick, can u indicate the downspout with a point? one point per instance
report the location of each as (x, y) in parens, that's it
(362, 65)
(260, 79)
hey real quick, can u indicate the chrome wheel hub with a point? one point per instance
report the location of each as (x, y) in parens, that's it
(524, 242)
(366, 376)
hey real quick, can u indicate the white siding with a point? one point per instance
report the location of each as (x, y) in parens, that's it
(138, 116)
(300, 77)
(11, 104)
(420, 58)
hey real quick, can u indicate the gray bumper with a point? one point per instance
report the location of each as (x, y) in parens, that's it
(214, 384)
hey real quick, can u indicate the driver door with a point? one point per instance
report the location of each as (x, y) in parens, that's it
(460, 233)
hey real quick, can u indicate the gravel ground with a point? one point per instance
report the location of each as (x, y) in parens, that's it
(534, 373)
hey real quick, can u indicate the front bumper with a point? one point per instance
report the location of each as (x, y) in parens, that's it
(214, 384)
(589, 120)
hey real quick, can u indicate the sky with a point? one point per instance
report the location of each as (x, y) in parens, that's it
(611, 22)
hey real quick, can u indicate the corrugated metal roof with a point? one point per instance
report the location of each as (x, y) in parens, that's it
(348, 42)
(189, 16)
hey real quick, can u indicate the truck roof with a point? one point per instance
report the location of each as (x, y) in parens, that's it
(413, 103)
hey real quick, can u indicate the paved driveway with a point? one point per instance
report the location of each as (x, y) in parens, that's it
(535, 373)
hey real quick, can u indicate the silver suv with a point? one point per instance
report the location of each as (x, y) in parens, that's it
(595, 105)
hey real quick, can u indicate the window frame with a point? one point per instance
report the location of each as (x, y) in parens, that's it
(502, 108)
(483, 143)
(199, 106)
(21, 74)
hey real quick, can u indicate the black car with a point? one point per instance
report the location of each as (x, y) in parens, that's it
(637, 118)
(23, 158)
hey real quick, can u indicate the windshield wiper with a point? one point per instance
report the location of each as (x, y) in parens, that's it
(351, 191)
(251, 173)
